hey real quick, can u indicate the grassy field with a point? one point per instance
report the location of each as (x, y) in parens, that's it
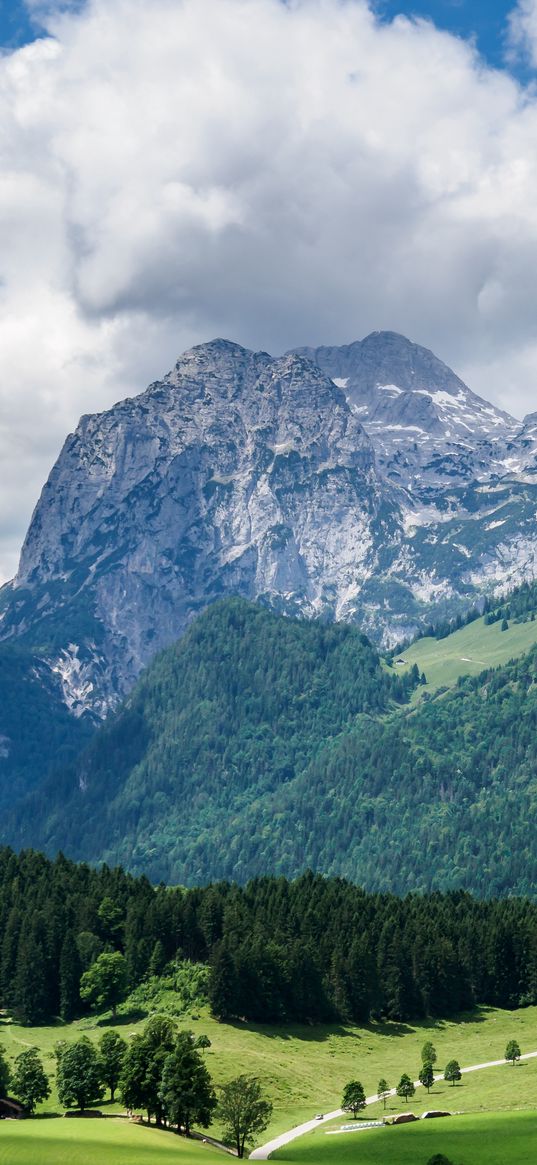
(304, 1069)
(468, 651)
(97, 1142)
(502, 1139)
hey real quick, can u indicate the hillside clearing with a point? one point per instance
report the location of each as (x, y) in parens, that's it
(468, 651)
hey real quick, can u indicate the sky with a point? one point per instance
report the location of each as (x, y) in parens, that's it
(278, 172)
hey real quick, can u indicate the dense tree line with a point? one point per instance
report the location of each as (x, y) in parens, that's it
(316, 949)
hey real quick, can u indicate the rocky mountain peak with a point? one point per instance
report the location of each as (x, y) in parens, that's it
(362, 483)
(237, 473)
(425, 424)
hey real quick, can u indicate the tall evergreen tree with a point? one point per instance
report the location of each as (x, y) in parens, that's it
(70, 971)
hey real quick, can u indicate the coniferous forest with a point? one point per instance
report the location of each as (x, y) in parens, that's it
(315, 949)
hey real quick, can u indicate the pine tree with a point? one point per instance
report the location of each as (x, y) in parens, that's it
(69, 978)
(223, 983)
(30, 988)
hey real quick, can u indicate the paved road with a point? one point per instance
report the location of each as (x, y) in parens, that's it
(264, 1151)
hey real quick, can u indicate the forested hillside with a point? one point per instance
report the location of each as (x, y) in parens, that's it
(309, 950)
(221, 721)
(266, 744)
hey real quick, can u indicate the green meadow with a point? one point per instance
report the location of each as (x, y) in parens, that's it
(467, 651)
(303, 1069)
(480, 1139)
(96, 1142)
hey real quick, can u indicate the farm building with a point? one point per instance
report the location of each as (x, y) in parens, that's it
(11, 1109)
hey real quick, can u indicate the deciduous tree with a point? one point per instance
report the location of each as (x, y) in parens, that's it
(353, 1097)
(243, 1111)
(105, 983)
(405, 1087)
(79, 1075)
(186, 1090)
(383, 1091)
(426, 1076)
(112, 1050)
(5, 1074)
(512, 1052)
(30, 1083)
(452, 1072)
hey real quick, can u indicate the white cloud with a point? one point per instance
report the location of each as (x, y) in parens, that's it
(523, 30)
(276, 173)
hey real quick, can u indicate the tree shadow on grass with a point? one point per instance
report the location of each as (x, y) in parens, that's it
(389, 1027)
(124, 1017)
(315, 1033)
(320, 1032)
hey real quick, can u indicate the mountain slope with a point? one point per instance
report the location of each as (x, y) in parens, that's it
(265, 744)
(37, 732)
(216, 724)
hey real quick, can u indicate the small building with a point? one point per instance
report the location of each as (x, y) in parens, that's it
(402, 1118)
(11, 1109)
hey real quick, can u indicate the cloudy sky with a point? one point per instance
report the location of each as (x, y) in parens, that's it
(279, 172)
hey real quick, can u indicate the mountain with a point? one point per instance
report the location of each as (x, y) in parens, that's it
(428, 429)
(365, 483)
(216, 725)
(237, 474)
(261, 743)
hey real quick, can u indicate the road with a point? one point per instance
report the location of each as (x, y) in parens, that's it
(264, 1151)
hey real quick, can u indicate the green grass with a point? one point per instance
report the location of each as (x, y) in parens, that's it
(303, 1069)
(467, 652)
(480, 1139)
(97, 1142)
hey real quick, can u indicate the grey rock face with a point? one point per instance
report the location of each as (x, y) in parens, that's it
(428, 429)
(363, 483)
(236, 474)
